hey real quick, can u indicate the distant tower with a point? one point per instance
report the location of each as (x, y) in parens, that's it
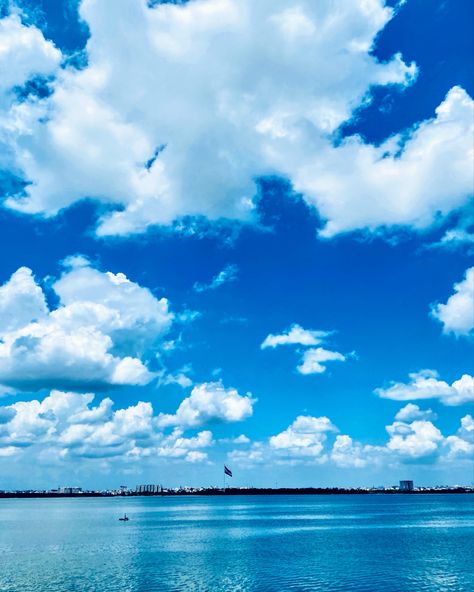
(406, 486)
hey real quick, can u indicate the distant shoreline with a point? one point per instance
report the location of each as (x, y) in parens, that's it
(235, 492)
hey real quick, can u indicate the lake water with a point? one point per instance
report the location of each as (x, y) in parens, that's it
(247, 543)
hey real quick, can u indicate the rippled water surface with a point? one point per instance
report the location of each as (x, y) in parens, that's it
(271, 543)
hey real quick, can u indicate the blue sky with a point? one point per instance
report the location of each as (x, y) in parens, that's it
(247, 232)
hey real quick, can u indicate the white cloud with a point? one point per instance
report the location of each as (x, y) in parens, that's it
(175, 445)
(309, 440)
(97, 414)
(411, 412)
(458, 448)
(228, 274)
(457, 315)
(426, 385)
(461, 445)
(252, 88)
(303, 441)
(97, 336)
(24, 54)
(455, 237)
(417, 441)
(209, 402)
(21, 301)
(40, 421)
(414, 440)
(404, 181)
(314, 360)
(201, 440)
(69, 425)
(196, 456)
(295, 335)
(65, 427)
(409, 441)
(347, 453)
(242, 439)
(181, 379)
(304, 437)
(467, 427)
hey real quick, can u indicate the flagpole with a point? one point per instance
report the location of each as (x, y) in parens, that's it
(228, 472)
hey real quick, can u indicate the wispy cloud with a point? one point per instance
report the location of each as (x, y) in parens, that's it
(228, 274)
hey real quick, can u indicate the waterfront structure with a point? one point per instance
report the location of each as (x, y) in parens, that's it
(70, 490)
(148, 489)
(406, 485)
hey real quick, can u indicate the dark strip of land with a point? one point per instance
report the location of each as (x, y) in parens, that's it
(237, 491)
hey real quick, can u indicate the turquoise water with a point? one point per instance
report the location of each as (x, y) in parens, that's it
(273, 543)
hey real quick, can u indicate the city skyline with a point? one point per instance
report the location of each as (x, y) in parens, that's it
(237, 234)
(156, 489)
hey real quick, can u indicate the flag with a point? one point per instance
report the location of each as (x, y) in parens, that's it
(227, 471)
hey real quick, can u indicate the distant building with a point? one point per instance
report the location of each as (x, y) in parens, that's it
(148, 489)
(406, 486)
(70, 490)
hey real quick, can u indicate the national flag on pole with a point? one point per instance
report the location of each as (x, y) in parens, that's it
(227, 471)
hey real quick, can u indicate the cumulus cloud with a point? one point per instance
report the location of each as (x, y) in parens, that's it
(66, 427)
(210, 402)
(99, 335)
(404, 181)
(347, 453)
(467, 427)
(409, 441)
(461, 445)
(458, 448)
(411, 412)
(228, 274)
(302, 442)
(196, 456)
(412, 438)
(304, 437)
(314, 359)
(24, 54)
(419, 438)
(252, 88)
(21, 301)
(426, 385)
(68, 424)
(457, 315)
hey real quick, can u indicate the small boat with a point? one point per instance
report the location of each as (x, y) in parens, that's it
(125, 518)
